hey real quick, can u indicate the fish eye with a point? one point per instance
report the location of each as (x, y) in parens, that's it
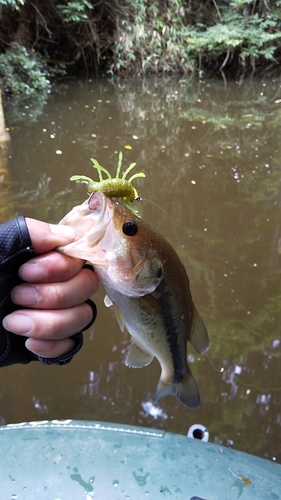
(130, 228)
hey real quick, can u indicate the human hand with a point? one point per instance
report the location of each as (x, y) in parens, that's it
(53, 294)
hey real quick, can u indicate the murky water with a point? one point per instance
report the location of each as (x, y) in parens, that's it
(212, 157)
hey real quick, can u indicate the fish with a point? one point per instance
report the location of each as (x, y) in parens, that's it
(147, 285)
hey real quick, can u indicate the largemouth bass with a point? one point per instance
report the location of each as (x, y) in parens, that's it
(147, 285)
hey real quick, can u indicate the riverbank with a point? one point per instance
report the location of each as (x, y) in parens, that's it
(42, 41)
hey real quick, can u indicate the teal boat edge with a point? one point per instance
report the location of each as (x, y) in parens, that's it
(73, 460)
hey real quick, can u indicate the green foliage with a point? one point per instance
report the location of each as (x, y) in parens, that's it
(74, 11)
(75, 34)
(22, 72)
(249, 37)
(192, 37)
(13, 4)
(166, 37)
(151, 43)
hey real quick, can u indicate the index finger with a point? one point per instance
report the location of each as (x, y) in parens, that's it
(50, 268)
(46, 237)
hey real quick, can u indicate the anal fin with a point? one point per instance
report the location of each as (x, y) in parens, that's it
(199, 338)
(138, 357)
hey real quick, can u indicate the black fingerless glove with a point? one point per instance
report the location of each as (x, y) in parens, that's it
(15, 250)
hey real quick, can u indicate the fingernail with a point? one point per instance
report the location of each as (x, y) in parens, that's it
(25, 295)
(32, 272)
(18, 323)
(37, 346)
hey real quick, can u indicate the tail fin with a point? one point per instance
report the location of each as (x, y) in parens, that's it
(185, 391)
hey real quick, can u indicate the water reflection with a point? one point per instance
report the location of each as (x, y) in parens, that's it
(212, 159)
(154, 410)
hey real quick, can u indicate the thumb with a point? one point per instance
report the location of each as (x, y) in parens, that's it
(46, 237)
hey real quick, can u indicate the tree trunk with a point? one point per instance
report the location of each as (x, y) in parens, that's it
(23, 33)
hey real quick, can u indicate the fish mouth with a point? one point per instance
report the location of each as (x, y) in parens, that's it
(101, 208)
(90, 221)
(90, 217)
(97, 203)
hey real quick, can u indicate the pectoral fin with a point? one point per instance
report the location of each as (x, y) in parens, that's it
(107, 301)
(137, 357)
(118, 315)
(198, 336)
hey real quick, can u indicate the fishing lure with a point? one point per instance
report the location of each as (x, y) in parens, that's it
(113, 187)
